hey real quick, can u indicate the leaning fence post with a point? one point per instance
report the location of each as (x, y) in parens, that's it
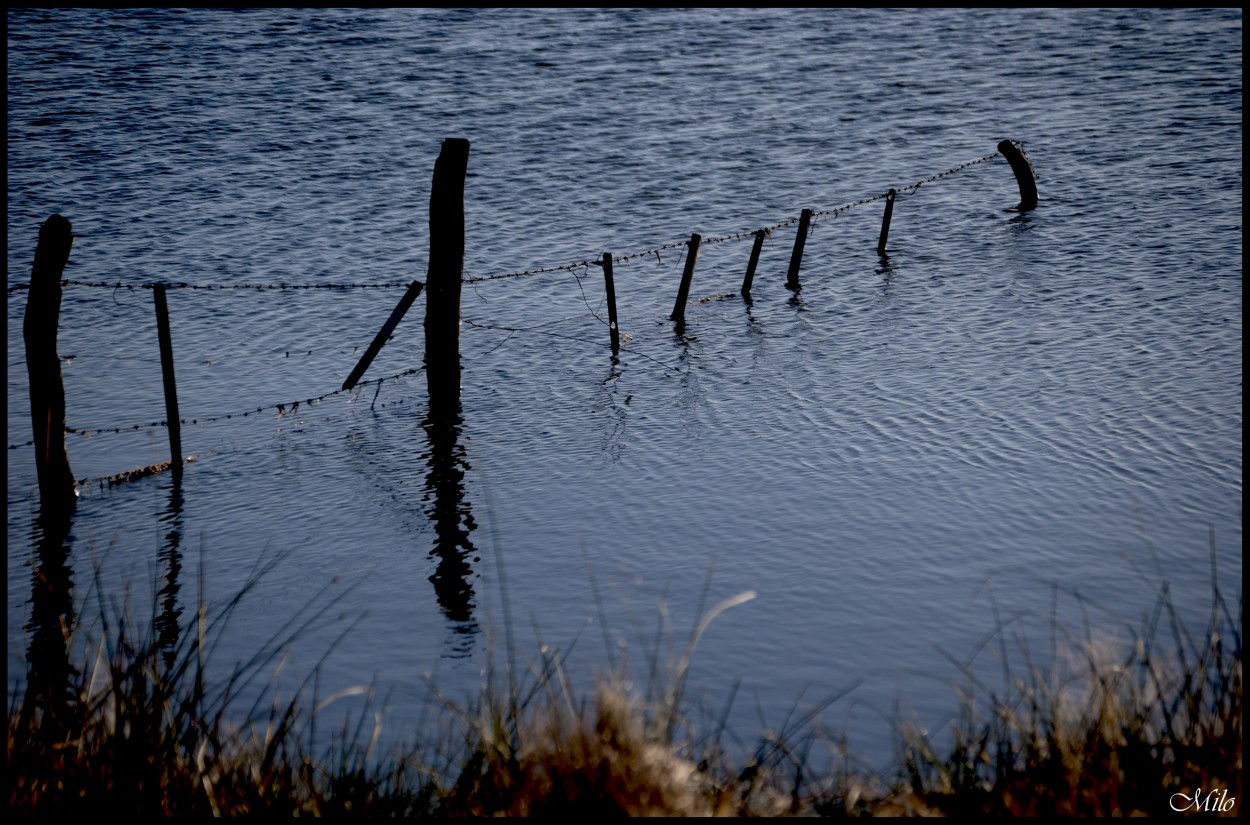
(613, 329)
(683, 294)
(885, 222)
(753, 262)
(1023, 169)
(47, 391)
(167, 373)
(796, 255)
(446, 272)
(384, 334)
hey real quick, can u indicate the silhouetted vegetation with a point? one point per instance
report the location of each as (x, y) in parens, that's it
(1104, 732)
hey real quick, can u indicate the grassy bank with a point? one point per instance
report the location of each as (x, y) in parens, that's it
(139, 729)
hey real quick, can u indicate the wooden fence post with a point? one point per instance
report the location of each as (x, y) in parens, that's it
(57, 492)
(446, 272)
(1023, 169)
(613, 329)
(885, 222)
(753, 262)
(167, 374)
(683, 293)
(796, 255)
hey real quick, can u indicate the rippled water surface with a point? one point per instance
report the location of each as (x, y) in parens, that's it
(1016, 416)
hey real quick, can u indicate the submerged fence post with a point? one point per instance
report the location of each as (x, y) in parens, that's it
(446, 272)
(47, 391)
(167, 374)
(796, 255)
(751, 264)
(613, 330)
(1023, 169)
(683, 294)
(885, 222)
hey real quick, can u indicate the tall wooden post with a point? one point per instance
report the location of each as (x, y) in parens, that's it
(47, 392)
(167, 374)
(683, 293)
(885, 222)
(446, 271)
(1023, 170)
(796, 255)
(613, 330)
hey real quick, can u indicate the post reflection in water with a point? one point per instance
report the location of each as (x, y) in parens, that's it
(50, 676)
(168, 614)
(452, 517)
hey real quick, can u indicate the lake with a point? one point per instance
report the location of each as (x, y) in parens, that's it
(1017, 420)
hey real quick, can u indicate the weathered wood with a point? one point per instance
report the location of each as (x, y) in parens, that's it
(611, 288)
(384, 334)
(57, 491)
(167, 373)
(446, 272)
(753, 262)
(796, 254)
(1023, 170)
(885, 222)
(683, 293)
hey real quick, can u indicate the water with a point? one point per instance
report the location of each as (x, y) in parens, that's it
(1016, 417)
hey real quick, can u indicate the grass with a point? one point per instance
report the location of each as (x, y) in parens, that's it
(1100, 732)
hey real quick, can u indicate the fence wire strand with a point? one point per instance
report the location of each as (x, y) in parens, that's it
(733, 236)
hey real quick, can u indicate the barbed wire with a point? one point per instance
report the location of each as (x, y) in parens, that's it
(477, 279)
(283, 409)
(733, 236)
(235, 446)
(513, 330)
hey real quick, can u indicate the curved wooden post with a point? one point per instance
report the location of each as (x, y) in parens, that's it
(446, 272)
(1023, 169)
(57, 492)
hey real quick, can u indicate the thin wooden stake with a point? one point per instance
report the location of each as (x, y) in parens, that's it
(885, 222)
(1023, 168)
(384, 334)
(683, 294)
(753, 262)
(796, 255)
(57, 492)
(167, 373)
(611, 288)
